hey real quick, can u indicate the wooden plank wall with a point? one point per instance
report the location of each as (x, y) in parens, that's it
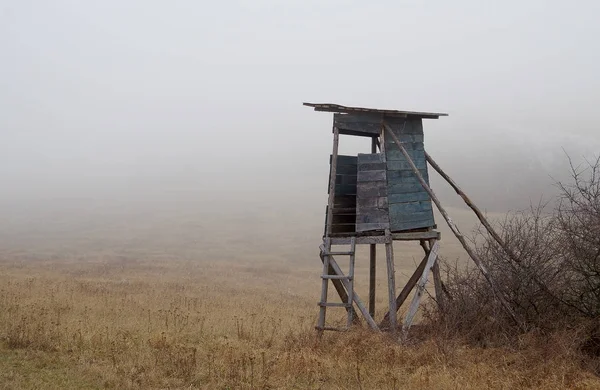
(371, 193)
(344, 209)
(362, 125)
(409, 205)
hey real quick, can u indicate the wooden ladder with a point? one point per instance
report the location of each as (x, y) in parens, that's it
(347, 281)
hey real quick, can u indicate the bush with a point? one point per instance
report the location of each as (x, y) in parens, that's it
(550, 277)
(578, 221)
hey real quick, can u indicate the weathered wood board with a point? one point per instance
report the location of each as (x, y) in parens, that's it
(367, 125)
(372, 211)
(378, 190)
(370, 125)
(408, 203)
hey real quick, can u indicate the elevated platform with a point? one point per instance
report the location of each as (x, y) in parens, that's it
(380, 238)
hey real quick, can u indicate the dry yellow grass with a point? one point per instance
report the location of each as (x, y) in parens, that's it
(136, 307)
(174, 324)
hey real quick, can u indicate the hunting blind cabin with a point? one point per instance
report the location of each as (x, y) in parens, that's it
(380, 197)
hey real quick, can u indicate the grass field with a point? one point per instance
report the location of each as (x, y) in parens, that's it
(155, 303)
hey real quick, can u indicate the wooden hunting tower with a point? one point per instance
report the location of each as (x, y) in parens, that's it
(376, 198)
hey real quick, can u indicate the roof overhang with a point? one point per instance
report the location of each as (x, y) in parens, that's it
(329, 107)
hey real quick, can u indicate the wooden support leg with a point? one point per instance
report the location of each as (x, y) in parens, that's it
(437, 281)
(372, 277)
(412, 310)
(372, 252)
(406, 290)
(389, 254)
(324, 288)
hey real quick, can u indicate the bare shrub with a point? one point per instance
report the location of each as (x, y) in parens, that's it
(578, 219)
(550, 274)
(470, 311)
(531, 279)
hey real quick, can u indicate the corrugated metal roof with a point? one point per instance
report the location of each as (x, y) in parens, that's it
(329, 107)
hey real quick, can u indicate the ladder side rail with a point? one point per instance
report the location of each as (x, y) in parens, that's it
(351, 280)
(324, 285)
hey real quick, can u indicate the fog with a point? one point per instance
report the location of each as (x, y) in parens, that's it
(195, 107)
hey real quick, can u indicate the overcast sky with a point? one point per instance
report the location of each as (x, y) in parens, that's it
(95, 94)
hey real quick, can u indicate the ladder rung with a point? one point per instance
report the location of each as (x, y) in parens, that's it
(332, 328)
(338, 254)
(333, 304)
(336, 277)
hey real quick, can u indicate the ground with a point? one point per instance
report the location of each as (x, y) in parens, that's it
(101, 314)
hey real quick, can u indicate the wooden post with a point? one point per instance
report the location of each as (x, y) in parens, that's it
(455, 229)
(374, 144)
(372, 257)
(389, 254)
(334, 156)
(437, 285)
(324, 287)
(350, 288)
(412, 310)
(372, 278)
(437, 280)
(382, 140)
(407, 289)
(327, 242)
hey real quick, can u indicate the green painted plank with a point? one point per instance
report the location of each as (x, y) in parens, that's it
(412, 184)
(408, 138)
(397, 219)
(408, 146)
(398, 215)
(397, 165)
(396, 155)
(405, 188)
(412, 126)
(402, 226)
(405, 176)
(408, 208)
(421, 196)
